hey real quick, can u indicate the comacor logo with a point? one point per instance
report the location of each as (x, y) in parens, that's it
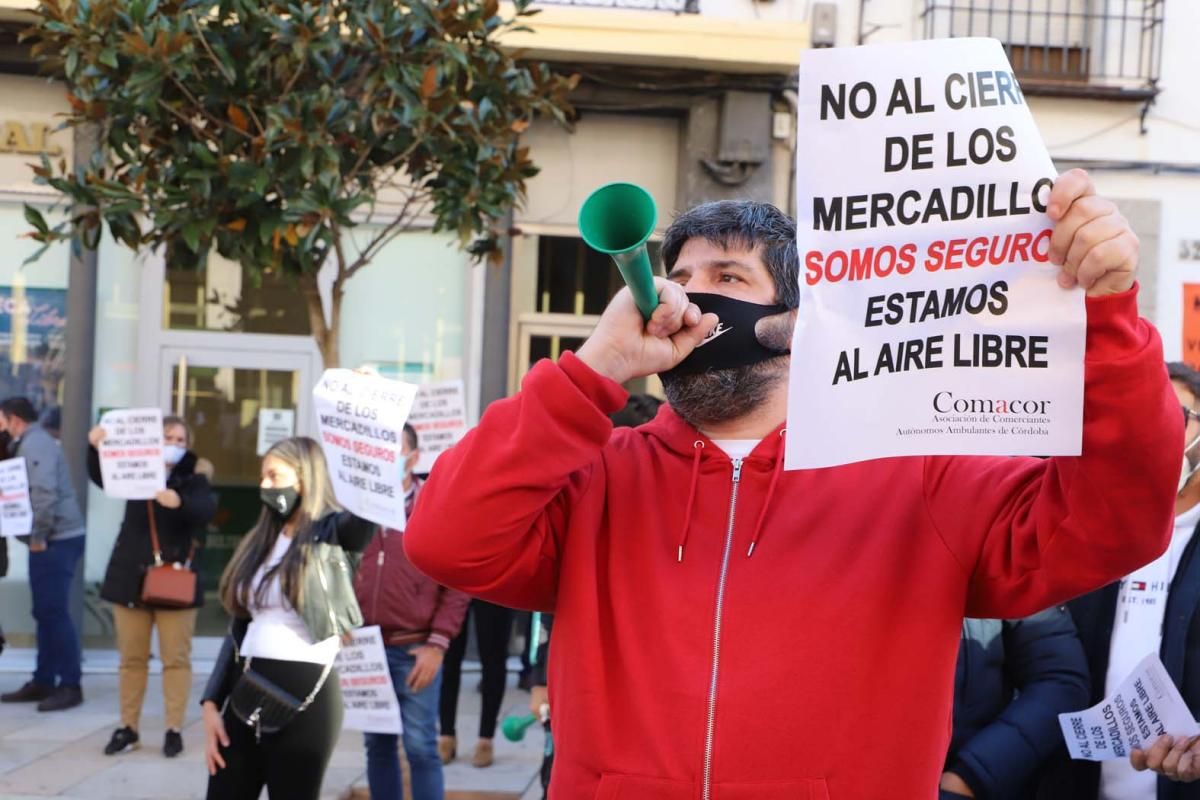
(945, 402)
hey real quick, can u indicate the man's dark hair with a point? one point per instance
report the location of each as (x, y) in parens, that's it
(18, 407)
(742, 225)
(1185, 374)
(411, 438)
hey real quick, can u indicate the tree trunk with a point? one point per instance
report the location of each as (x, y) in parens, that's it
(325, 335)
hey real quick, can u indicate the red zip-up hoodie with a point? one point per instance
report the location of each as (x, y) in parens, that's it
(731, 631)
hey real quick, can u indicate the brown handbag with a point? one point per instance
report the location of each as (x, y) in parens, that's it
(168, 585)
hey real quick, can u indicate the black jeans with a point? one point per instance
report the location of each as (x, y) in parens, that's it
(292, 762)
(493, 625)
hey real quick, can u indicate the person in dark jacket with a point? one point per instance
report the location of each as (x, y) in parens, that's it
(56, 547)
(418, 619)
(1152, 610)
(182, 511)
(1012, 680)
(289, 589)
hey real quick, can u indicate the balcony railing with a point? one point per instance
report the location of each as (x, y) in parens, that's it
(1107, 48)
(675, 6)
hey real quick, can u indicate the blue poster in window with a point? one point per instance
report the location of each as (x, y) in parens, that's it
(33, 332)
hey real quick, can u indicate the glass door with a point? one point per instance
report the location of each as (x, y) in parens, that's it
(221, 394)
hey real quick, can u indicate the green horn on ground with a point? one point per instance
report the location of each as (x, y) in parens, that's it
(617, 220)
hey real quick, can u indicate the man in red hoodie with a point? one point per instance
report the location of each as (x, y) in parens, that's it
(726, 630)
(418, 619)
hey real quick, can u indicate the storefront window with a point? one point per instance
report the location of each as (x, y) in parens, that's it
(33, 317)
(575, 279)
(223, 296)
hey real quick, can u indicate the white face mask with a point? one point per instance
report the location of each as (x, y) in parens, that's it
(1188, 470)
(173, 454)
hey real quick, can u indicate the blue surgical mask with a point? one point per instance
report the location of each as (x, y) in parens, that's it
(173, 454)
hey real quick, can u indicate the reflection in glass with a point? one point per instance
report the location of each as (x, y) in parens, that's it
(223, 297)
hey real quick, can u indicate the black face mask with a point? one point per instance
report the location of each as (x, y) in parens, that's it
(280, 502)
(732, 342)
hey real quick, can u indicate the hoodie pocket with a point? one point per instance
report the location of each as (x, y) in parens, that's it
(633, 787)
(803, 789)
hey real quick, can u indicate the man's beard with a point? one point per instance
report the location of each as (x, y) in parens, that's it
(720, 395)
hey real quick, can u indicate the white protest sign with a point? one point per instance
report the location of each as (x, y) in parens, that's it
(360, 418)
(131, 455)
(440, 416)
(930, 318)
(274, 425)
(368, 696)
(1145, 706)
(16, 515)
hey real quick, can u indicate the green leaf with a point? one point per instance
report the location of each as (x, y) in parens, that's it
(35, 218)
(191, 236)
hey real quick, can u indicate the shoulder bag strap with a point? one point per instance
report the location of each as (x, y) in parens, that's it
(158, 562)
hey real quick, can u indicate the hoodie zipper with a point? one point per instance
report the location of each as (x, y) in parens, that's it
(710, 731)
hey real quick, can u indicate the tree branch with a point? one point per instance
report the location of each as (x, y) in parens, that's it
(201, 132)
(200, 107)
(230, 79)
(402, 223)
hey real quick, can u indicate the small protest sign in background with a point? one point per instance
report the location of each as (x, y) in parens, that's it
(1191, 324)
(368, 697)
(439, 415)
(16, 514)
(930, 317)
(131, 455)
(360, 418)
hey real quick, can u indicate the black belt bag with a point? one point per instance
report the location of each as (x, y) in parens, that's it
(265, 706)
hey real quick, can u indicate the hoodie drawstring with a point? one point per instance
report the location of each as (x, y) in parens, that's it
(762, 515)
(697, 447)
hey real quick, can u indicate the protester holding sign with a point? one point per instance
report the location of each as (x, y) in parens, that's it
(418, 619)
(683, 548)
(273, 708)
(56, 545)
(1125, 621)
(181, 513)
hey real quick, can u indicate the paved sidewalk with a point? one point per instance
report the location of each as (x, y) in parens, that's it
(60, 754)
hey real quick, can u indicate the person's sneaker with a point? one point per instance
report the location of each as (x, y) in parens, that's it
(484, 755)
(447, 748)
(172, 744)
(29, 693)
(123, 740)
(62, 698)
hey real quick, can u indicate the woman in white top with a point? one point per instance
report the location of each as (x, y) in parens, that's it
(289, 590)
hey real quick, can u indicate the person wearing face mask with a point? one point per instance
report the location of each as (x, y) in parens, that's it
(56, 546)
(1152, 610)
(727, 628)
(418, 619)
(289, 590)
(182, 511)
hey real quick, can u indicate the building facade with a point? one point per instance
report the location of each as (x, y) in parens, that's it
(686, 102)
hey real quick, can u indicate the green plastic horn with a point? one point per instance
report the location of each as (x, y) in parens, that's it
(617, 220)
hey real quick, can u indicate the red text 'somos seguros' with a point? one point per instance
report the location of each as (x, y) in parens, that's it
(360, 448)
(865, 263)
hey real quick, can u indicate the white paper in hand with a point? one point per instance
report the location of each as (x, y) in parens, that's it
(930, 320)
(16, 514)
(1145, 706)
(368, 696)
(131, 455)
(361, 420)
